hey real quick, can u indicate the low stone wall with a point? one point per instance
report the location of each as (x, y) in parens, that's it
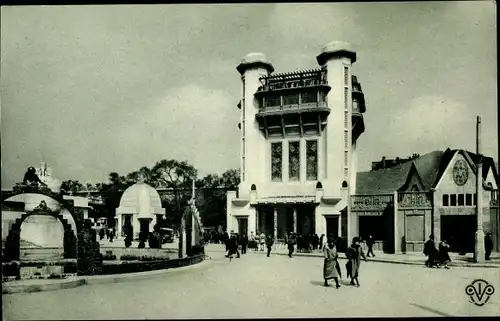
(143, 266)
(158, 253)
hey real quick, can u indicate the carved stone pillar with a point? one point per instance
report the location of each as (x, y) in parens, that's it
(275, 221)
(295, 220)
(257, 227)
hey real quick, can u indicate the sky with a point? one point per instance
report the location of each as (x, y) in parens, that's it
(96, 89)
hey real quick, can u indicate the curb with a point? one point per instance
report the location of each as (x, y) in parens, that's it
(96, 279)
(31, 288)
(421, 263)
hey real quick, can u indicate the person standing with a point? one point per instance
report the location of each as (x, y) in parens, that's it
(291, 243)
(244, 244)
(431, 252)
(354, 255)
(232, 244)
(101, 233)
(444, 257)
(315, 241)
(269, 243)
(331, 268)
(262, 240)
(488, 246)
(369, 243)
(321, 240)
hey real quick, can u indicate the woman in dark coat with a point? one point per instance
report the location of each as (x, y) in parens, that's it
(331, 268)
(444, 257)
(354, 255)
(431, 251)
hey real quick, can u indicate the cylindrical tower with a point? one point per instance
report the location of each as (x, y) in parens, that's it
(337, 57)
(252, 67)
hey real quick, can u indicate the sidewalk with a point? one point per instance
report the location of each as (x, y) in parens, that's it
(409, 258)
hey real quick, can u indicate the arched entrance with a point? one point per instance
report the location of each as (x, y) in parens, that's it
(13, 242)
(191, 233)
(77, 243)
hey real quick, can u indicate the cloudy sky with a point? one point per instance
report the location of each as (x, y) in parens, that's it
(95, 89)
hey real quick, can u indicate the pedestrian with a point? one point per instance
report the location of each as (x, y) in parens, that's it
(292, 240)
(488, 246)
(101, 234)
(315, 241)
(252, 243)
(111, 235)
(431, 252)
(369, 243)
(331, 268)
(354, 255)
(269, 243)
(232, 244)
(321, 240)
(262, 241)
(244, 244)
(444, 257)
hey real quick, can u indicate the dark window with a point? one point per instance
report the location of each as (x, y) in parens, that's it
(312, 160)
(294, 160)
(446, 200)
(291, 99)
(309, 97)
(461, 201)
(468, 199)
(475, 199)
(344, 184)
(273, 100)
(453, 200)
(276, 161)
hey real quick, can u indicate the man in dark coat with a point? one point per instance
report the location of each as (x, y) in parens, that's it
(354, 255)
(244, 244)
(269, 243)
(369, 243)
(232, 245)
(488, 246)
(431, 251)
(315, 241)
(292, 240)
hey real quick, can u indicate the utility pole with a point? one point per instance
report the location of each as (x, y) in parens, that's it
(479, 244)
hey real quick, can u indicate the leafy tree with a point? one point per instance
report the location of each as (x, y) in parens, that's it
(72, 187)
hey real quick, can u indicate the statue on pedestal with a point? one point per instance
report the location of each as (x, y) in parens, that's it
(31, 178)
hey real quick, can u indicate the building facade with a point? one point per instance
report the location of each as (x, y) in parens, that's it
(401, 205)
(298, 134)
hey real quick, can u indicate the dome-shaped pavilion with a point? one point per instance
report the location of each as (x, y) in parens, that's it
(140, 204)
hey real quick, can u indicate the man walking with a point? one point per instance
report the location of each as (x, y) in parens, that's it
(431, 251)
(269, 243)
(262, 240)
(369, 244)
(291, 244)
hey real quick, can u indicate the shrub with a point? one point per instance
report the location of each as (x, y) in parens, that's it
(109, 257)
(128, 257)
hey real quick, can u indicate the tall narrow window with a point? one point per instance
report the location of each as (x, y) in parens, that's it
(312, 160)
(309, 97)
(346, 76)
(346, 119)
(294, 161)
(291, 99)
(322, 97)
(346, 139)
(346, 98)
(276, 161)
(446, 200)
(346, 158)
(273, 100)
(461, 201)
(453, 200)
(468, 199)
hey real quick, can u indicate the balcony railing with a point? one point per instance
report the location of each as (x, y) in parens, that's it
(294, 107)
(291, 80)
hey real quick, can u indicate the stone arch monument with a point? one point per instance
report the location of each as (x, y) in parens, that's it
(191, 233)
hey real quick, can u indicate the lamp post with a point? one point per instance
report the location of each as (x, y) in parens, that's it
(479, 243)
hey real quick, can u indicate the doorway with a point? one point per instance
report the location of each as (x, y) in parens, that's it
(242, 226)
(459, 231)
(332, 226)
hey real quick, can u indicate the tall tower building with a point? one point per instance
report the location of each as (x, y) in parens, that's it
(298, 135)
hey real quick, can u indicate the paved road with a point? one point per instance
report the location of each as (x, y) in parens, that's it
(257, 286)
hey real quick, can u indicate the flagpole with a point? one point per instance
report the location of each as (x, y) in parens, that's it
(479, 244)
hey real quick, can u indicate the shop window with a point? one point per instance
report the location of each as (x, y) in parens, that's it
(312, 160)
(446, 200)
(461, 201)
(468, 199)
(276, 161)
(294, 161)
(453, 200)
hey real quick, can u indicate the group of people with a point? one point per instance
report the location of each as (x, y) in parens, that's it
(331, 266)
(108, 232)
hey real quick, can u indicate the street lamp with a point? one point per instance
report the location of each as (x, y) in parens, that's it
(479, 243)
